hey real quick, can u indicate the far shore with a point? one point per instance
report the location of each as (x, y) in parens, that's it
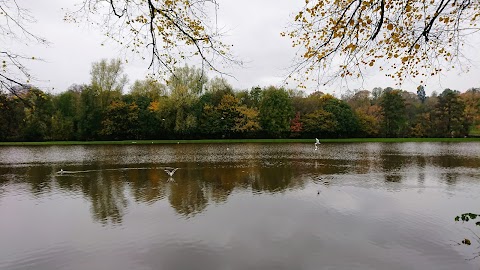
(350, 140)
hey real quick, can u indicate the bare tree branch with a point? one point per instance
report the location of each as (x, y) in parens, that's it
(170, 31)
(14, 21)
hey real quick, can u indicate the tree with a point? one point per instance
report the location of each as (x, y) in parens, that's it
(192, 78)
(369, 124)
(120, 121)
(413, 108)
(14, 27)
(276, 111)
(327, 116)
(471, 98)
(108, 80)
(247, 121)
(215, 90)
(65, 119)
(4, 122)
(368, 113)
(219, 117)
(345, 118)
(210, 121)
(255, 96)
(309, 104)
(228, 110)
(414, 37)
(450, 118)
(185, 84)
(296, 125)
(149, 88)
(219, 85)
(184, 119)
(170, 30)
(12, 114)
(319, 123)
(90, 115)
(422, 126)
(377, 93)
(360, 99)
(159, 116)
(37, 116)
(421, 93)
(62, 128)
(393, 111)
(148, 124)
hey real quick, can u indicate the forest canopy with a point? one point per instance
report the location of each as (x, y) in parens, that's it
(194, 106)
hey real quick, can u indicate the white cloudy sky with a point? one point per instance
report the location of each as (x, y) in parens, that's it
(254, 28)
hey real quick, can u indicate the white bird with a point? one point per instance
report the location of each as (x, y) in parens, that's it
(317, 142)
(170, 171)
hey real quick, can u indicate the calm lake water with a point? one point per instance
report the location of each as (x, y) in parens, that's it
(239, 206)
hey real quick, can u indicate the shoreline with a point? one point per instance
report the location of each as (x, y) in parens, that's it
(144, 142)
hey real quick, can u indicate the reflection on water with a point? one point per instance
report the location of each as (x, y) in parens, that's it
(237, 206)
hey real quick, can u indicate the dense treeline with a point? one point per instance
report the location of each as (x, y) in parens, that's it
(195, 107)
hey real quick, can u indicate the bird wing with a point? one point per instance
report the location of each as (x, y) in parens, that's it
(170, 171)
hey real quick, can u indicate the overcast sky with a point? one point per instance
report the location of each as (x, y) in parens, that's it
(253, 26)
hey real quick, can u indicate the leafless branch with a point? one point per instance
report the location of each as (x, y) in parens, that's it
(170, 31)
(14, 21)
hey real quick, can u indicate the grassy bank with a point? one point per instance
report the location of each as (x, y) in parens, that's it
(351, 140)
(474, 131)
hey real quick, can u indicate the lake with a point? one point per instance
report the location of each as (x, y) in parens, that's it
(239, 206)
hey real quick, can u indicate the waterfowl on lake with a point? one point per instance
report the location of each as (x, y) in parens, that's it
(170, 171)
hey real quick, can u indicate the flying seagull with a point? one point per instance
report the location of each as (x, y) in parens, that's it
(170, 171)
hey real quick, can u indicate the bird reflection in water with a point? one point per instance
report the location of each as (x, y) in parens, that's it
(170, 171)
